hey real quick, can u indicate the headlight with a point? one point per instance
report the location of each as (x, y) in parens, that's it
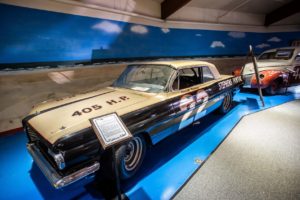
(59, 159)
(261, 76)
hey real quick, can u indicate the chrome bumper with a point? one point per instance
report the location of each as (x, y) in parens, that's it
(54, 178)
(247, 80)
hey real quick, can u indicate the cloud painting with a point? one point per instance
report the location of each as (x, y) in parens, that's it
(139, 29)
(107, 27)
(216, 44)
(165, 30)
(274, 39)
(81, 38)
(235, 34)
(262, 46)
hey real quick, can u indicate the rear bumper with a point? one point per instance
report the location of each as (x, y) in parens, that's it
(54, 178)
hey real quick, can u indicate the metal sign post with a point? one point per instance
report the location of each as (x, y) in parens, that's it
(116, 172)
(257, 75)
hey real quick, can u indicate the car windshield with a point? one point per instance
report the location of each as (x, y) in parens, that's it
(145, 78)
(281, 54)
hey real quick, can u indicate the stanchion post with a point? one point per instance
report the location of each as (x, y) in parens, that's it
(257, 75)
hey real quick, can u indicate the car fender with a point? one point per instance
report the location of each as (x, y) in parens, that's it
(237, 71)
(268, 76)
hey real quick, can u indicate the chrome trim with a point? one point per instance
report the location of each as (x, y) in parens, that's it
(247, 80)
(58, 158)
(32, 135)
(53, 177)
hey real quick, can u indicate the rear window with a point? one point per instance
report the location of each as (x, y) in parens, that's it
(281, 54)
(284, 54)
(207, 75)
(268, 55)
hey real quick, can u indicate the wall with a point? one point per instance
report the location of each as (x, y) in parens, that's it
(45, 31)
(32, 35)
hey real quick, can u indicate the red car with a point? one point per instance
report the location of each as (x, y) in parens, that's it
(278, 68)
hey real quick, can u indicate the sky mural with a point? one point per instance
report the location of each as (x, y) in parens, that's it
(31, 35)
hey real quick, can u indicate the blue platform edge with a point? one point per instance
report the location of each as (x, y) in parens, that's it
(166, 168)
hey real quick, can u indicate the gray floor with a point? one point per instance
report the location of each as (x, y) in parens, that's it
(260, 159)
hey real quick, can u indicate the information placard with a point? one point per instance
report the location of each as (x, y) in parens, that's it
(110, 130)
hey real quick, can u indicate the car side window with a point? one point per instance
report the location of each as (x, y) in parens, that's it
(186, 78)
(297, 58)
(206, 74)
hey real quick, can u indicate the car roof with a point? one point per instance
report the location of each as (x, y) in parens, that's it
(282, 48)
(178, 64)
(181, 64)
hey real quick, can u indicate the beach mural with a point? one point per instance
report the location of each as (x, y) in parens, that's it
(31, 35)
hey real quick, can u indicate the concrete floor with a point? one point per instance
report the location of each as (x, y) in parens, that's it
(260, 159)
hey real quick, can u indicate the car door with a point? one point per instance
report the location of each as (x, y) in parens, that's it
(193, 93)
(193, 86)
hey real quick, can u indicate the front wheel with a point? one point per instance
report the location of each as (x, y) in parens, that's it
(273, 88)
(130, 156)
(226, 104)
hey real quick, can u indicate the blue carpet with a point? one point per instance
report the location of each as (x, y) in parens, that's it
(167, 166)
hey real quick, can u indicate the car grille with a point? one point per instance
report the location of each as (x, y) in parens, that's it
(75, 155)
(31, 134)
(40, 143)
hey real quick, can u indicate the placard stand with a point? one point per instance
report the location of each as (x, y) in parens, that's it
(116, 173)
(111, 131)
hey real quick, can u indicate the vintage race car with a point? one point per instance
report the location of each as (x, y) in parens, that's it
(278, 68)
(153, 100)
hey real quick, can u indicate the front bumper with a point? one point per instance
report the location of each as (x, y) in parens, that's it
(54, 178)
(247, 80)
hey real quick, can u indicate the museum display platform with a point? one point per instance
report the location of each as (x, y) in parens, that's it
(166, 168)
(258, 160)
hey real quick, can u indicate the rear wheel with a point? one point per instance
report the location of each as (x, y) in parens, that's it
(226, 104)
(273, 88)
(130, 156)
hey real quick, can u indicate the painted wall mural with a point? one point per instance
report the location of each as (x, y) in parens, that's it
(31, 35)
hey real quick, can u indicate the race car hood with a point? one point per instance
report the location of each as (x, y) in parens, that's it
(265, 65)
(57, 118)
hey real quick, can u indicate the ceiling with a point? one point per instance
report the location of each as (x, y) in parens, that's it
(249, 6)
(251, 12)
(254, 7)
(291, 20)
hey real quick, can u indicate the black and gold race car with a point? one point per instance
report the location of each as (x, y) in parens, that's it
(153, 100)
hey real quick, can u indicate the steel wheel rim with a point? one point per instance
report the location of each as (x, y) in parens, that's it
(133, 156)
(227, 102)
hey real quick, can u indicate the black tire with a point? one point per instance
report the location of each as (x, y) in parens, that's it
(226, 104)
(273, 88)
(130, 156)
